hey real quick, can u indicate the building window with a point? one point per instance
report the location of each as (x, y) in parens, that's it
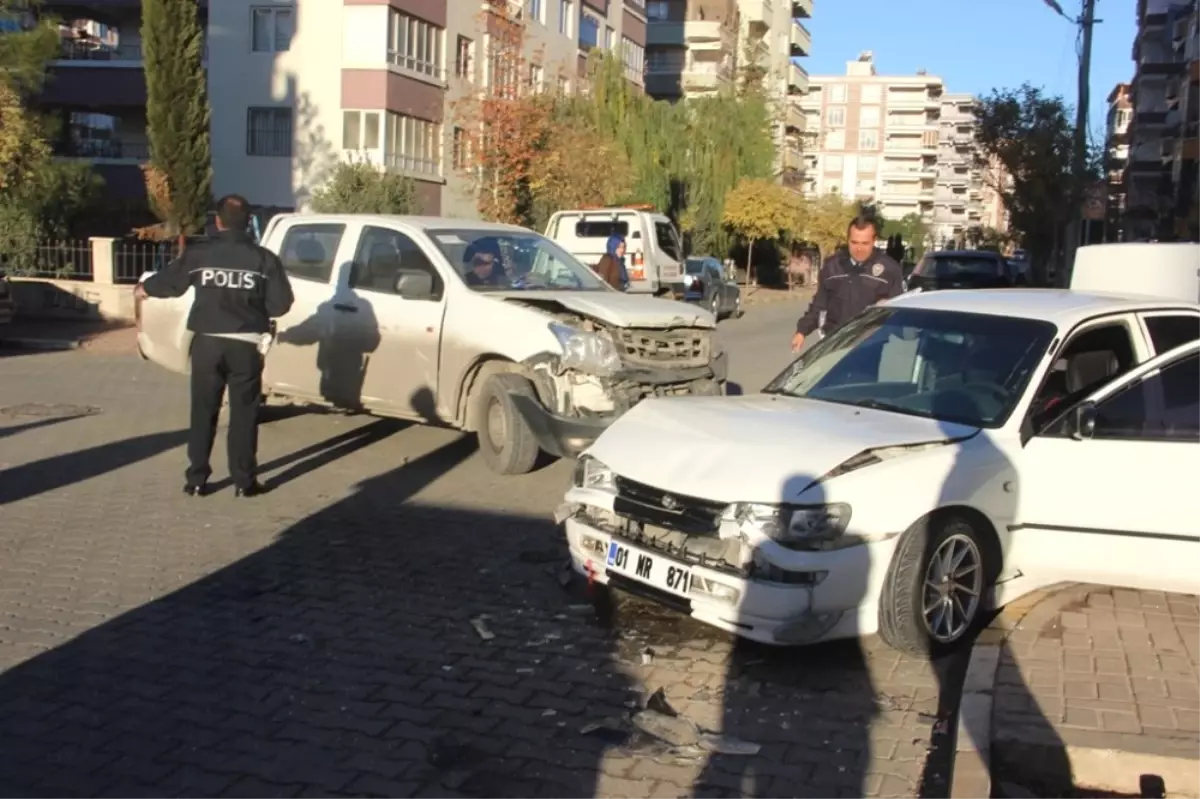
(835, 139)
(413, 145)
(868, 139)
(269, 132)
(461, 149)
(533, 10)
(657, 10)
(871, 93)
(564, 85)
(464, 58)
(836, 117)
(589, 32)
(503, 69)
(837, 93)
(633, 55)
(833, 163)
(272, 29)
(415, 44)
(665, 60)
(868, 116)
(537, 78)
(566, 15)
(360, 130)
(868, 163)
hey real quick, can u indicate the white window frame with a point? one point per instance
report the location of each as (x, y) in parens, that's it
(271, 13)
(416, 45)
(863, 110)
(833, 163)
(536, 10)
(835, 117)
(871, 94)
(837, 93)
(412, 145)
(566, 16)
(364, 123)
(633, 55)
(872, 136)
(262, 143)
(465, 71)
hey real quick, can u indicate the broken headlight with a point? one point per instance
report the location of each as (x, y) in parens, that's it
(804, 527)
(590, 352)
(591, 473)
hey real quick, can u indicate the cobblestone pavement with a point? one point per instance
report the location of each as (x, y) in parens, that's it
(1102, 668)
(319, 640)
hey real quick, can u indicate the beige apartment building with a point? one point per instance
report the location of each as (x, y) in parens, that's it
(297, 87)
(696, 47)
(958, 202)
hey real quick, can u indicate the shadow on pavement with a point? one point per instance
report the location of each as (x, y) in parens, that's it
(58, 471)
(25, 427)
(377, 648)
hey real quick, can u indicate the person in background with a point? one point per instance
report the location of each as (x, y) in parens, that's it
(240, 287)
(611, 267)
(851, 280)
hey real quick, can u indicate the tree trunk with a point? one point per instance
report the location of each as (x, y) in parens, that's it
(749, 262)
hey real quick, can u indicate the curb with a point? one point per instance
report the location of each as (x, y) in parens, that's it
(971, 772)
(40, 344)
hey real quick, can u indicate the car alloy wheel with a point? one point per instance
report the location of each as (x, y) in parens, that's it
(952, 588)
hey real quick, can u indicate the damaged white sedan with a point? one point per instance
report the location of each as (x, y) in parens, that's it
(938, 455)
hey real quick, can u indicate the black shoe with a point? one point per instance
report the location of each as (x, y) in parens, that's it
(195, 490)
(253, 490)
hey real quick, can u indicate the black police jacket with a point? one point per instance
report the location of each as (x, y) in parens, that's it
(846, 289)
(240, 287)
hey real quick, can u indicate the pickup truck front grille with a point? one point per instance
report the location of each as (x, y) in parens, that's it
(682, 348)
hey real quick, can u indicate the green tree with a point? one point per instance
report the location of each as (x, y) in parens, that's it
(759, 210)
(912, 230)
(177, 110)
(1030, 135)
(362, 188)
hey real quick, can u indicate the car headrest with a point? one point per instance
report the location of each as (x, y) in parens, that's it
(310, 251)
(1091, 368)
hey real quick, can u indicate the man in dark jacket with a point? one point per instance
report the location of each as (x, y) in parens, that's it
(240, 287)
(851, 280)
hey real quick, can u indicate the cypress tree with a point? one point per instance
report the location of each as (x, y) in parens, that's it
(177, 111)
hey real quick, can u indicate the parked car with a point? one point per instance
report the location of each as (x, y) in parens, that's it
(487, 328)
(653, 251)
(705, 282)
(939, 454)
(961, 269)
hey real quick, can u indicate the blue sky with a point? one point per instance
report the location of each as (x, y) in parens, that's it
(977, 45)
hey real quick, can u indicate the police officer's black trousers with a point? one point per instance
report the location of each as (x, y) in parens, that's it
(217, 364)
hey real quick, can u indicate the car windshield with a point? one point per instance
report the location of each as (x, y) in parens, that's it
(694, 266)
(957, 266)
(502, 260)
(946, 365)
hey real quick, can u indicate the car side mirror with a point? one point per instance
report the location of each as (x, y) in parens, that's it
(415, 285)
(1083, 421)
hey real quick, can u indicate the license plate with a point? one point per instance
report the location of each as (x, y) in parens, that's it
(651, 569)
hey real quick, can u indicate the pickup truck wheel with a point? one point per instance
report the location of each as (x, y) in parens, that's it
(507, 444)
(932, 598)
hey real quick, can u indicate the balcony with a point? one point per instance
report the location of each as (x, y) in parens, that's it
(73, 52)
(910, 100)
(702, 81)
(696, 34)
(758, 15)
(802, 9)
(801, 40)
(107, 151)
(795, 120)
(797, 79)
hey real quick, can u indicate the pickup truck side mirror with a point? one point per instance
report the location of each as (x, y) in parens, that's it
(415, 285)
(1082, 422)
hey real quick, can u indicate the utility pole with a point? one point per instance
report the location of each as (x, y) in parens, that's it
(1079, 160)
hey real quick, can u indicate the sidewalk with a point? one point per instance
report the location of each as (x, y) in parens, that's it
(1084, 690)
(110, 338)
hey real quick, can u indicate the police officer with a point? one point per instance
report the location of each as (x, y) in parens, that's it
(851, 280)
(240, 287)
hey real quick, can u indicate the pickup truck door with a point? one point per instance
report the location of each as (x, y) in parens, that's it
(1113, 502)
(395, 329)
(302, 363)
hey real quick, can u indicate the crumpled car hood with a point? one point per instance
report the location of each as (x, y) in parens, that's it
(616, 308)
(754, 448)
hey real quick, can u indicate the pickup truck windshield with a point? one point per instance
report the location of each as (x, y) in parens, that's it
(947, 365)
(951, 266)
(490, 260)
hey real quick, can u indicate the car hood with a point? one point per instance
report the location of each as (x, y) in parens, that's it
(615, 308)
(755, 448)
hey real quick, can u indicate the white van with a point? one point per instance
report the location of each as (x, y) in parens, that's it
(653, 251)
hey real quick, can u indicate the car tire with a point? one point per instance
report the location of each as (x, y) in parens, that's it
(506, 443)
(903, 622)
(714, 305)
(738, 313)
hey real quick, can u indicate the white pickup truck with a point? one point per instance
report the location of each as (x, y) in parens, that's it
(487, 328)
(653, 251)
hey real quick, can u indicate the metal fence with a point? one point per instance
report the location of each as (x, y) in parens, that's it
(132, 259)
(63, 260)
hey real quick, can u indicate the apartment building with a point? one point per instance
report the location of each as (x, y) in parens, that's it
(698, 47)
(297, 87)
(1116, 157)
(876, 137)
(960, 186)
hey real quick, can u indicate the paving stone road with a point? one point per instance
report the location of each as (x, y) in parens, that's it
(319, 640)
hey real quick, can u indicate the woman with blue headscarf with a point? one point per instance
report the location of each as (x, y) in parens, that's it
(611, 267)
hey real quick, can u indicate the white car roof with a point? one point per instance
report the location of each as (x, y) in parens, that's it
(419, 222)
(1061, 307)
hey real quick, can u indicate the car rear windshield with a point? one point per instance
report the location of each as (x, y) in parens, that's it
(956, 265)
(600, 228)
(694, 266)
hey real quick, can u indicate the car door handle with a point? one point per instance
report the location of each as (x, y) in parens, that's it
(340, 306)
